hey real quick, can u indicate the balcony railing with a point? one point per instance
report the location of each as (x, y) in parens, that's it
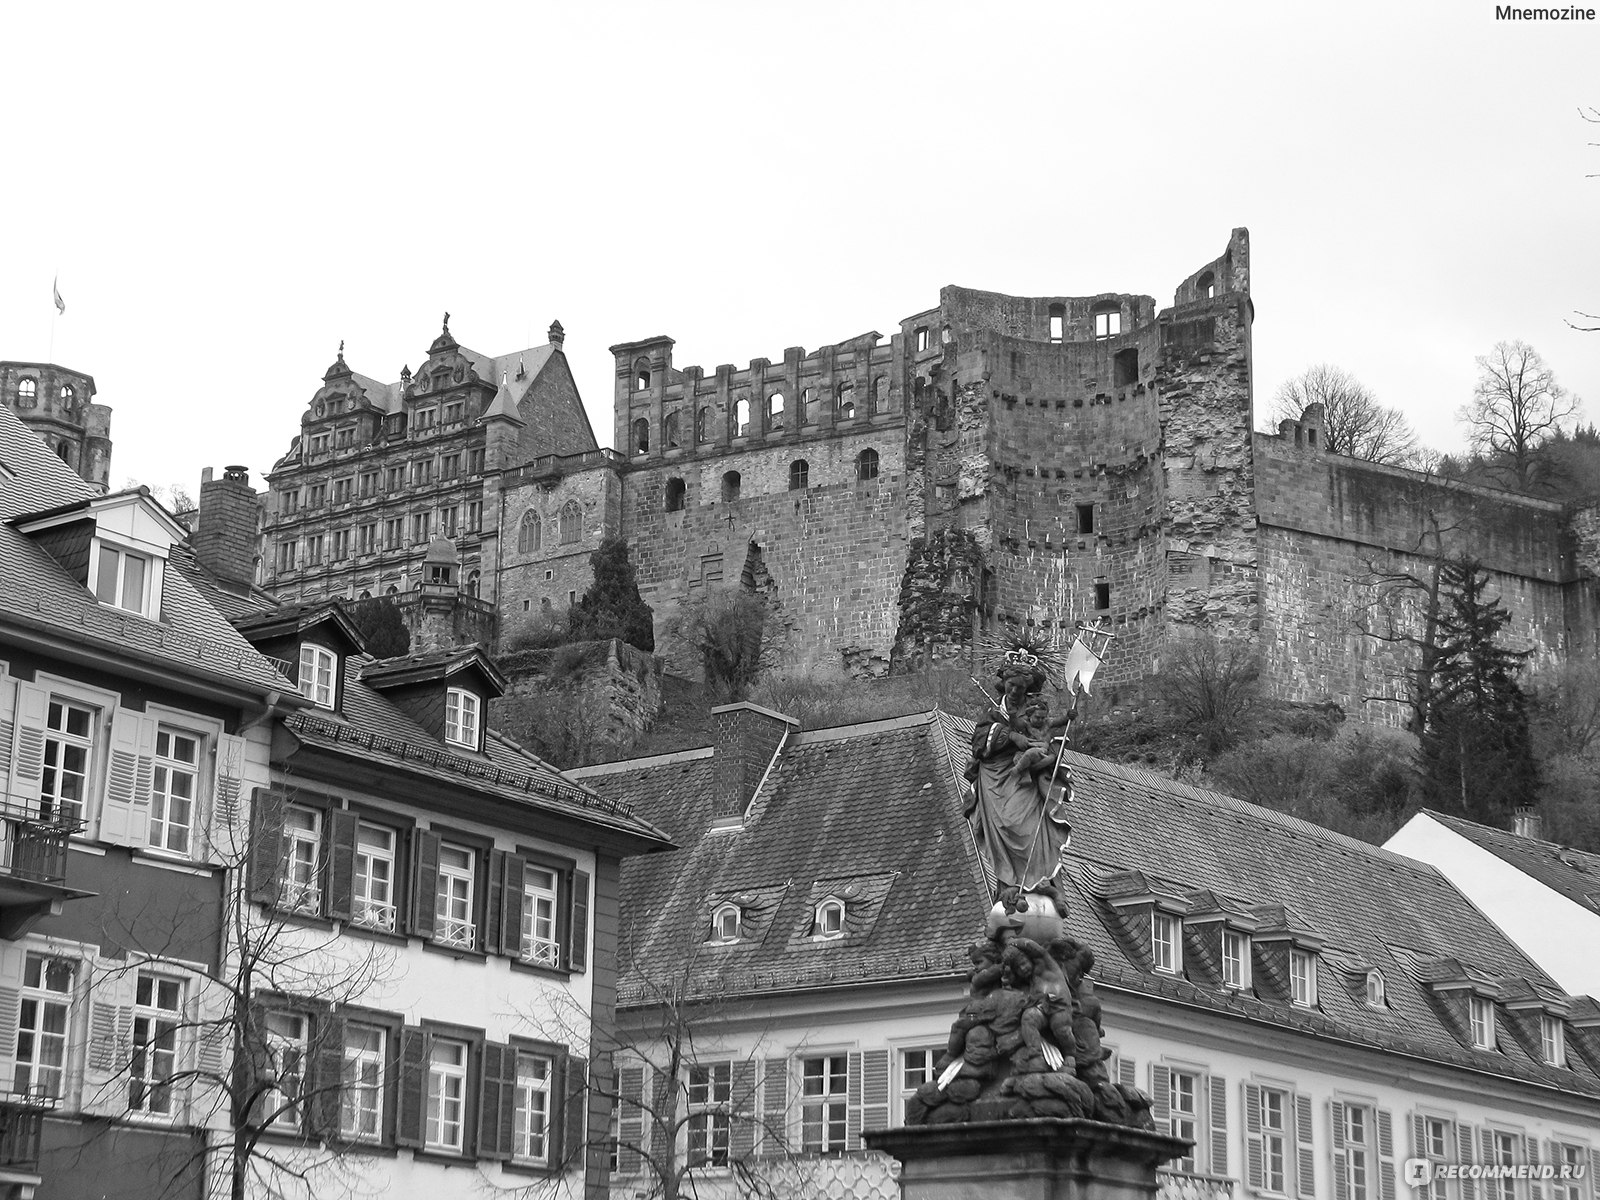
(33, 847)
(1191, 1185)
(21, 1124)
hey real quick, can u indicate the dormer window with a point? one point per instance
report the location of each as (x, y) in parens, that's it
(726, 923)
(1376, 993)
(318, 665)
(122, 580)
(1235, 959)
(1166, 943)
(1302, 978)
(828, 921)
(1552, 1040)
(1480, 1012)
(461, 718)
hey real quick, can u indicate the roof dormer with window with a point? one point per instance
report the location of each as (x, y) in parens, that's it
(1537, 1016)
(1217, 935)
(1150, 916)
(1468, 997)
(1286, 957)
(310, 644)
(447, 692)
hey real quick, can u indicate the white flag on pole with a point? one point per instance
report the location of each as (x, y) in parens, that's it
(55, 288)
(1081, 665)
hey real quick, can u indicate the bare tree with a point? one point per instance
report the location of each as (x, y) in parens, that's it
(1516, 407)
(1213, 686)
(1353, 422)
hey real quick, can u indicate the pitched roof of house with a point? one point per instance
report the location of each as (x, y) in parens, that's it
(1575, 874)
(193, 639)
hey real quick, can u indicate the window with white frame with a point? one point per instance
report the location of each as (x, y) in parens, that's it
(447, 1095)
(453, 912)
(531, 1110)
(318, 666)
(68, 752)
(1235, 958)
(1552, 1040)
(828, 920)
(916, 1069)
(42, 1024)
(539, 896)
(1107, 324)
(824, 1102)
(1303, 978)
(302, 859)
(1503, 1149)
(461, 718)
(362, 1082)
(1570, 1162)
(157, 1017)
(1183, 1111)
(1480, 1010)
(122, 579)
(173, 790)
(287, 1038)
(1377, 991)
(726, 923)
(1166, 942)
(1274, 1141)
(372, 902)
(710, 1093)
(1358, 1151)
(1438, 1134)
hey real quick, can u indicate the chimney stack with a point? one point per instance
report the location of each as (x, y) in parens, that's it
(227, 540)
(1528, 824)
(748, 736)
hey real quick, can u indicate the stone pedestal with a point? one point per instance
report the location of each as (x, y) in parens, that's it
(1044, 1158)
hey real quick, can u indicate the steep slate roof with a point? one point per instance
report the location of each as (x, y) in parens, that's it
(1575, 874)
(872, 807)
(193, 639)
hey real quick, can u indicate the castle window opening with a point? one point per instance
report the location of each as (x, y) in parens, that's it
(530, 534)
(641, 376)
(526, 605)
(1085, 518)
(548, 576)
(775, 411)
(808, 406)
(669, 432)
(474, 581)
(944, 335)
(1102, 596)
(1107, 321)
(64, 452)
(846, 395)
(741, 417)
(1125, 368)
(1311, 438)
(571, 523)
(880, 394)
(365, 594)
(1058, 322)
(391, 590)
(572, 596)
(676, 491)
(67, 395)
(27, 393)
(866, 465)
(799, 475)
(702, 426)
(730, 485)
(922, 338)
(1206, 286)
(641, 436)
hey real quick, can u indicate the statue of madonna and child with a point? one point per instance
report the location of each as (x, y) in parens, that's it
(1027, 1043)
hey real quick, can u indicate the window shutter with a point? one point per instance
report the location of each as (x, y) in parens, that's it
(1253, 1151)
(1535, 1185)
(1386, 1188)
(742, 1132)
(110, 1047)
(1464, 1152)
(512, 868)
(8, 729)
(130, 771)
(875, 1089)
(493, 899)
(27, 758)
(775, 1107)
(1341, 1157)
(852, 1112)
(1127, 1073)
(1487, 1136)
(425, 883)
(1305, 1163)
(1161, 1095)
(1419, 1136)
(341, 863)
(221, 819)
(12, 958)
(575, 1080)
(630, 1119)
(325, 1073)
(266, 845)
(578, 954)
(497, 1086)
(1218, 1089)
(411, 1122)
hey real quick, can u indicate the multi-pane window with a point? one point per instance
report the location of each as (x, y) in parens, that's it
(302, 859)
(1570, 1170)
(447, 1095)
(1358, 1151)
(369, 484)
(422, 471)
(1481, 1012)
(361, 1093)
(1552, 1040)
(157, 1012)
(394, 532)
(287, 1038)
(372, 903)
(531, 1110)
(1436, 1137)
(1235, 958)
(1302, 978)
(1183, 1092)
(1504, 1149)
(394, 478)
(474, 515)
(289, 502)
(366, 539)
(1376, 991)
(449, 466)
(1165, 942)
(1107, 324)
(42, 1025)
(341, 545)
(317, 495)
(172, 791)
(317, 667)
(449, 518)
(710, 1092)
(454, 411)
(424, 419)
(916, 1069)
(68, 748)
(122, 579)
(1274, 1140)
(823, 1104)
(314, 550)
(343, 490)
(319, 443)
(539, 944)
(475, 460)
(344, 437)
(461, 718)
(419, 527)
(454, 910)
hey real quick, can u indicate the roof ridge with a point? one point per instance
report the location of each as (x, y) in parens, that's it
(617, 766)
(834, 733)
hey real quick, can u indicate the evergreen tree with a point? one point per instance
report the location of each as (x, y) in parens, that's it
(381, 625)
(1476, 753)
(612, 607)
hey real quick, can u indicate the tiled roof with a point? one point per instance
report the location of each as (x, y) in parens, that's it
(233, 603)
(867, 812)
(193, 639)
(432, 664)
(1575, 874)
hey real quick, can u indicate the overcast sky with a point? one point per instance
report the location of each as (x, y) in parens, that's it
(227, 191)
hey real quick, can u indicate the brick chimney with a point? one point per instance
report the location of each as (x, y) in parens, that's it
(227, 541)
(747, 738)
(1528, 823)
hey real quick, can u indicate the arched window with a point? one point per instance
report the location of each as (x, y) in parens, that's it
(702, 426)
(845, 409)
(641, 375)
(741, 417)
(530, 534)
(730, 486)
(571, 522)
(27, 393)
(64, 451)
(676, 490)
(867, 465)
(725, 923)
(669, 431)
(366, 595)
(641, 436)
(391, 590)
(775, 411)
(68, 396)
(1206, 286)
(880, 394)
(808, 406)
(799, 475)
(474, 580)
(829, 919)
